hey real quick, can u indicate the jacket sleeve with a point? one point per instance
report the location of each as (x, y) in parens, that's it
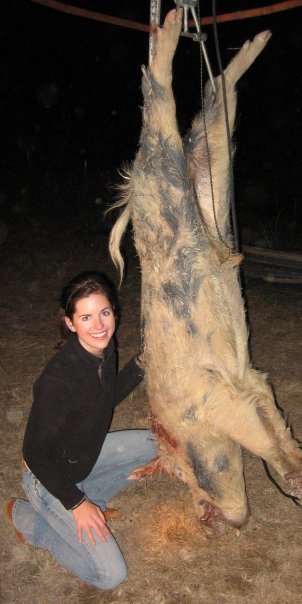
(47, 419)
(127, 379)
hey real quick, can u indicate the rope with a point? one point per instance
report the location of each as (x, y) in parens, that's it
(254, 12)
(235, 16)
(89, 14)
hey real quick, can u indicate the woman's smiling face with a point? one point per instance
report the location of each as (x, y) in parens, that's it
(94, 323)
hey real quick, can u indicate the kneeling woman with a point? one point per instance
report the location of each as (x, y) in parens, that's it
(72, 465)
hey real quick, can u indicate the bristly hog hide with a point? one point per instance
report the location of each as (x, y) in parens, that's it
(206, 400)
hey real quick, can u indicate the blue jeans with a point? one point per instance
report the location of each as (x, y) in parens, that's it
(45, 523)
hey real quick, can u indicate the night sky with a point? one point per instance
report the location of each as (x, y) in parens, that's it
(70, 110)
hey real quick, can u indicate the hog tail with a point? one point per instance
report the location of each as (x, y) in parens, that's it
(115, 240)
(119, 228)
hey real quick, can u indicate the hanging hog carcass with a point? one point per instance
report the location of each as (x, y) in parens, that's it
(206, 400)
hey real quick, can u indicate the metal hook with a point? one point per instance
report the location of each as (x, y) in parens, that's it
(190, 5)
(198, 36)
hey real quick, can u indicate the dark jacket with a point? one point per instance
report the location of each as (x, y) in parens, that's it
(71, 414)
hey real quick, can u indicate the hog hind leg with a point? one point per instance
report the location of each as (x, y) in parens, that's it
(245, 57)
(159, 99)
(253, 420)
(139, 193)
(159, 178)
(218, 161)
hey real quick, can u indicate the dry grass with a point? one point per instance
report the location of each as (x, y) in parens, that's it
(169, 558)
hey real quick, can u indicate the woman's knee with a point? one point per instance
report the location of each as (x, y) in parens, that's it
(112, 577)
(113, 582)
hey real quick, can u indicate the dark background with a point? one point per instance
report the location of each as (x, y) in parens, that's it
(70, 114)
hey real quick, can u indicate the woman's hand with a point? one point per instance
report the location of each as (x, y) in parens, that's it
(89, 516)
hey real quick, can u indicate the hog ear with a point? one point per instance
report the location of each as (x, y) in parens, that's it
(115, 241)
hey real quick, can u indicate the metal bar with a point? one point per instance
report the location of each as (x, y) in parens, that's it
(207, 62)
(155, 12)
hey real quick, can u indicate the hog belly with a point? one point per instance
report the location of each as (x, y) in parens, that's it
(206, 400)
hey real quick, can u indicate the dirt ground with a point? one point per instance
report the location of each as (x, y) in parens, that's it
(170, 560)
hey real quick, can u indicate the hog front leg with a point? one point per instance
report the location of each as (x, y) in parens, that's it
(253, 420)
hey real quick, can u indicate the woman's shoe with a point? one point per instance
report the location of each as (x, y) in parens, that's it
(8, 512)
(111, 513)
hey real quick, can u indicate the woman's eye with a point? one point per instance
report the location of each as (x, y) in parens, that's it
(85, 318)
(106, 313)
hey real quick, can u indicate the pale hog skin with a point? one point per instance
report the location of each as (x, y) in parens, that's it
(206, 399)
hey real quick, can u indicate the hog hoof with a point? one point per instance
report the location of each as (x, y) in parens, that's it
(111, 513)
(167, 40)
(293, 485)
